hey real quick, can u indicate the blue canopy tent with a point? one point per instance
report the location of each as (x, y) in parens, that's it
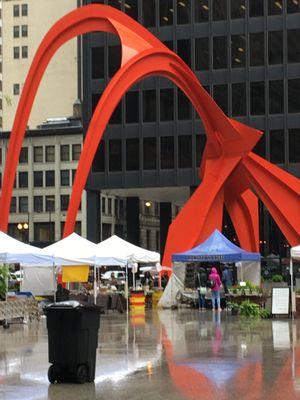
(217, 248)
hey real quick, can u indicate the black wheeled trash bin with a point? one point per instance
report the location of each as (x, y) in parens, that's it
(73, 341)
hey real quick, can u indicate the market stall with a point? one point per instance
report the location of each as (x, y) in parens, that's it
(217, 248)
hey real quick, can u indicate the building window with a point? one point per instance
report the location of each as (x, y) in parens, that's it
(200, 145)
(24, 10)
(149, 153)
(50, 153)
(293, 6)
(183, 12)
(65, 177)
(95, 99)
(24, 51)
(184, 151)
(103, 205)
(23, 204)
(201, 54)
(131, 8)
(64, 202)
(275, 47)
(238, 100)
(76, 151)
(114, 59)
(38, 179)
(73, 175)
(116, 117)
(38, 154)
(166, 104)
(167, 152)
(109, 206)
(16, 89)
(132, 155)
(166, 12)
(38, 204)
(97, 62)
(50, 178)
(23, 179)
(13, 205)
(256, 8)
(275, 7)
(293, 44)
(184, 50)
(294, 145)
(293, 95)
(260, 147)
(220, 52)
(219, 10)
(201, 10)
(115, 155)
(64, 152)
(16, 10)
(132, 107)
(16, 31)
(277, 146)
(257, 51)
(149, 105)
(50, 203)
(99, 159)
(23, 159)
(221, 97)
(148, 239)
(184, 109)
(257, 98)
(149, 13)
(24, 30)
(44, 232)
(238, 51)
(276, 97)
(16, 52)
(106, 231)
(238, 9)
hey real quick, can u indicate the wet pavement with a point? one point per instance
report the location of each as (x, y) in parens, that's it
(174, 355)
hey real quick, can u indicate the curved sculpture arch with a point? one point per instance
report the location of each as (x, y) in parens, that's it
(229, 171)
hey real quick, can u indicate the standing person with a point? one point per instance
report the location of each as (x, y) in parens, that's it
(201, 283)
(227, 278)
(216, 284)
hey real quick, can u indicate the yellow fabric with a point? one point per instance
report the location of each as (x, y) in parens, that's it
(78, 273)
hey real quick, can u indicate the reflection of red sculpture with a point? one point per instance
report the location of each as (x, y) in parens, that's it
(229, 169)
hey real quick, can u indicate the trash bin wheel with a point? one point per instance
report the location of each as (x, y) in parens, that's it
(82, 373)
(52, 374)
(5, 324)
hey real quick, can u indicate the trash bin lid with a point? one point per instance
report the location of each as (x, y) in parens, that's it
(72, 304)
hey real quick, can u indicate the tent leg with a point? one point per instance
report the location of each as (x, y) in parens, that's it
(126, 289)
(95, 284)
(292, 281)
(54, 284)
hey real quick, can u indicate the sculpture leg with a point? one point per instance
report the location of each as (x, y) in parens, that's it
(279, 191)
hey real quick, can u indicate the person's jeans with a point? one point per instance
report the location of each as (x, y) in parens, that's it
(215, 297)
(201, 299)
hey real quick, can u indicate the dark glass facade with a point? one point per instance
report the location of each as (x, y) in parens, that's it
(246, 53)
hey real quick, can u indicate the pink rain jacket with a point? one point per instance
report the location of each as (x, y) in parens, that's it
(214, 276)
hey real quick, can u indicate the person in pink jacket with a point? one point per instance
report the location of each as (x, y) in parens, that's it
(215, 288)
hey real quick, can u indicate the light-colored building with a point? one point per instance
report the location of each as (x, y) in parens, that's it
(46, 170)
(24, 24)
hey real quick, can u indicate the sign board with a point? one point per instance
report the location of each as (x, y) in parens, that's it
(281, 335)
(280, 300)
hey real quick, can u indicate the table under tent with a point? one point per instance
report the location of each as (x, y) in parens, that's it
(216, 249)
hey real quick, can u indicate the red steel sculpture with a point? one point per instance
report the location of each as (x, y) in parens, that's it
(230, 173)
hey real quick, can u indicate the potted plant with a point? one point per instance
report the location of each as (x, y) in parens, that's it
(4, 274)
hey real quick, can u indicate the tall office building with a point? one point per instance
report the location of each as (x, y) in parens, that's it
(24, 24)
(246, 53)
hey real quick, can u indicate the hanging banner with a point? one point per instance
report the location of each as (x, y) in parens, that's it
(75, 273)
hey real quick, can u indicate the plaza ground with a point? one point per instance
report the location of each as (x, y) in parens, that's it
(174, 355)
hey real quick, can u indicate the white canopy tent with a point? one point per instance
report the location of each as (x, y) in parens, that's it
(124, 250)
(295, 252)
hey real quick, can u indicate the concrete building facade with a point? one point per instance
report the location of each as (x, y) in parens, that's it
(24, 24)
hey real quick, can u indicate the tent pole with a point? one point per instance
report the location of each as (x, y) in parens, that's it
(54, 283)
(95, 285)
(126, 289)
(292, 281)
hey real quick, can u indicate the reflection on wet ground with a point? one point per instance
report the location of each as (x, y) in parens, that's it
(174, 355)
